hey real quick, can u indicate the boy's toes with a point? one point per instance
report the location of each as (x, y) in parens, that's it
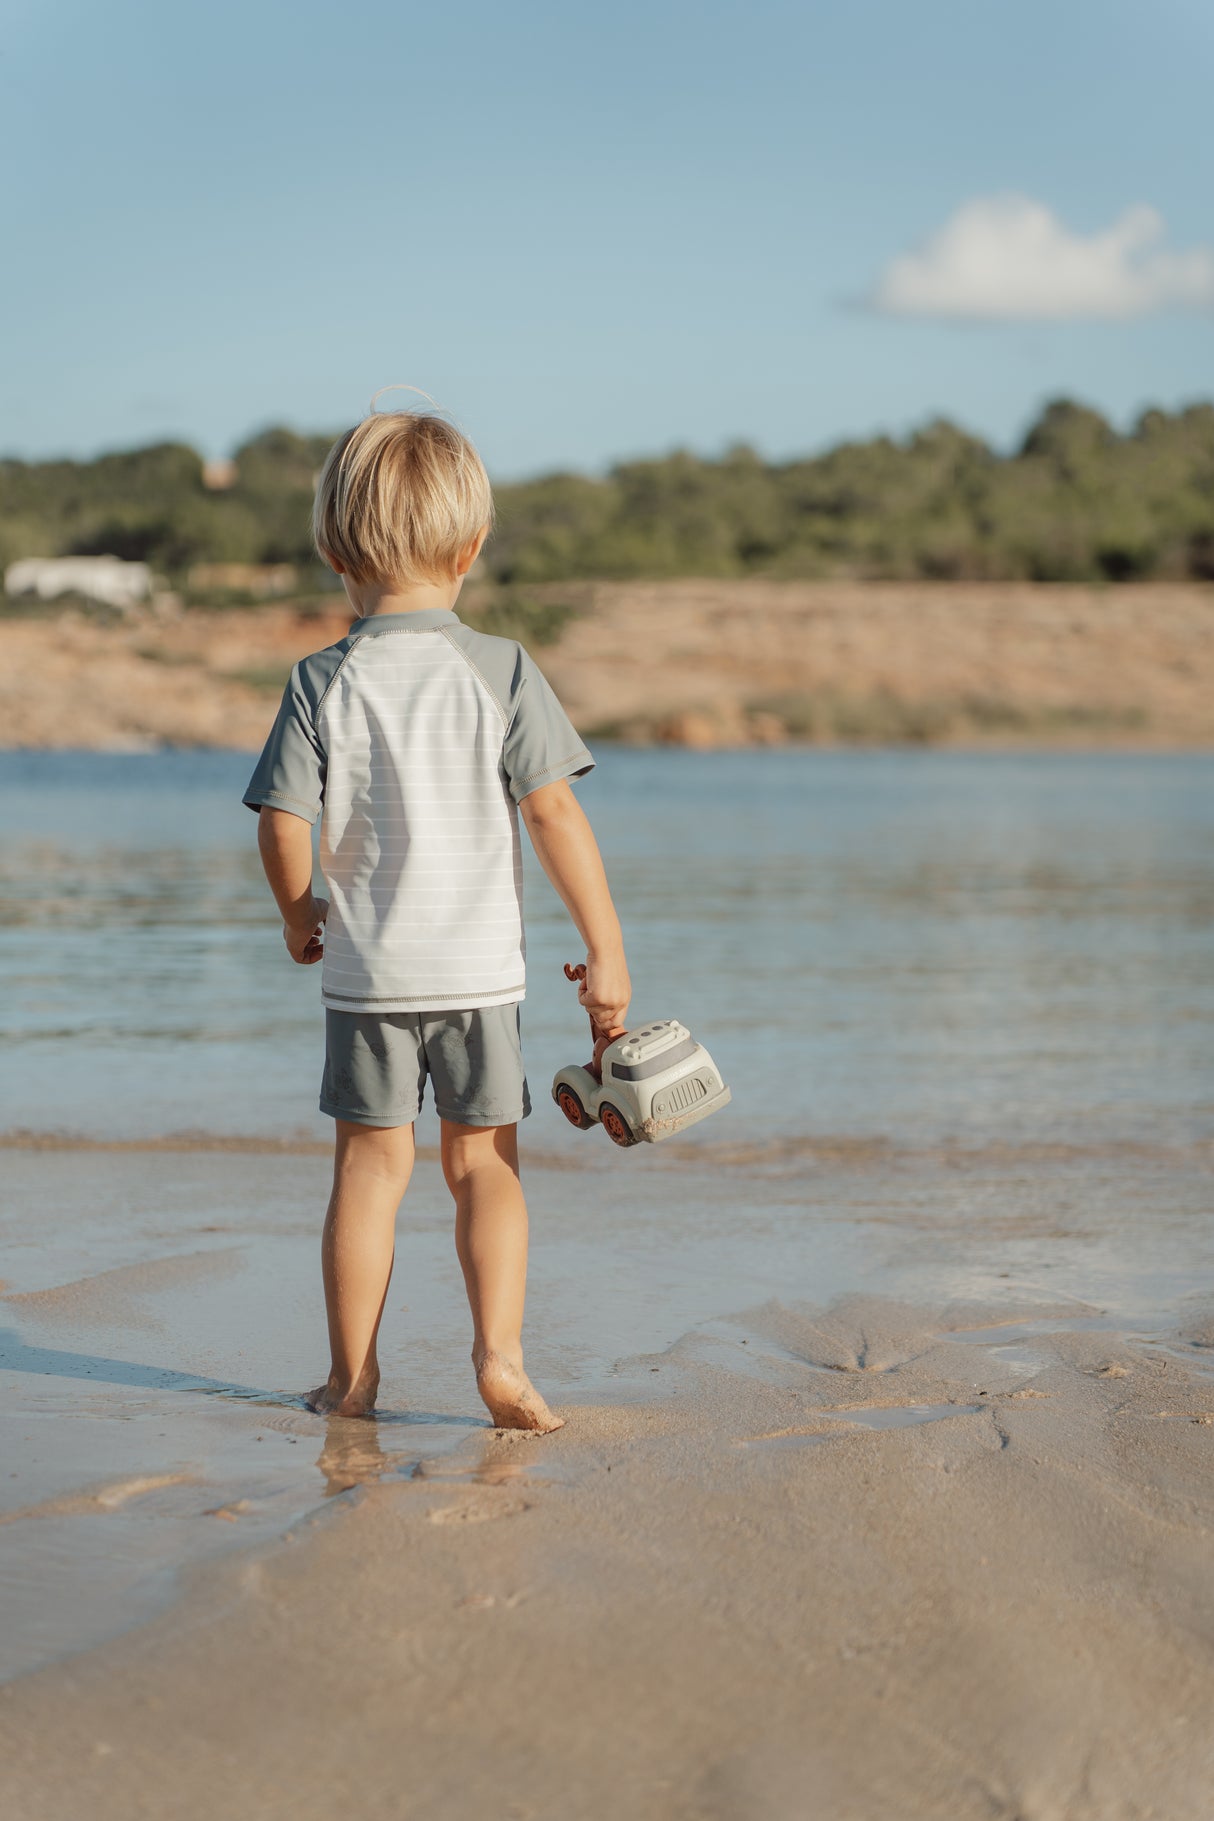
(511, 1399)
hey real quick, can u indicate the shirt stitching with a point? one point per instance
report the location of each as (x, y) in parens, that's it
(493, 695)
(284, 794)
(324, 694)
(380, 632)
(555, 766)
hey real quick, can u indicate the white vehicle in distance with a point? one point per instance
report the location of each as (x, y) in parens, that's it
(655, 1081)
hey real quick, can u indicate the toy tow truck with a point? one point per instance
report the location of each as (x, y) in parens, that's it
(642, 1085)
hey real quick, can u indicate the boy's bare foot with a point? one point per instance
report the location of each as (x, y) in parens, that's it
(511, 1399)
(330, 1399)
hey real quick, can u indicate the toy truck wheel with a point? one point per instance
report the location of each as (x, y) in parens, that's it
(572, 1108)
(615, 1125)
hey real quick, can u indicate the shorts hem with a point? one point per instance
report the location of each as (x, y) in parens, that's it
(372, 1119)
(485, 1121)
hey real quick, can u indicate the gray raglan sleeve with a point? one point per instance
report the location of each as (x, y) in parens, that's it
(290, 773)
(541, 745)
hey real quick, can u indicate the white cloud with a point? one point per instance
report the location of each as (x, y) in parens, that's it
(1010, 259)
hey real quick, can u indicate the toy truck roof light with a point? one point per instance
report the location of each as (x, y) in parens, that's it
(652, 1051)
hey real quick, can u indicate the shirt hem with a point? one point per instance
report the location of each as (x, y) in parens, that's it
(422, 1002)
(280, 799)
(574, 767)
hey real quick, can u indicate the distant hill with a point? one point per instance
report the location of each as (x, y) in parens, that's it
(1078, 502)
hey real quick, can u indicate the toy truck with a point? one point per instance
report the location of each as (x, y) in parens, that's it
(643, 1085)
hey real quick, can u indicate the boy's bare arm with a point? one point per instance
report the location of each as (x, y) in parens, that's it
(285, 844)
(568, 852)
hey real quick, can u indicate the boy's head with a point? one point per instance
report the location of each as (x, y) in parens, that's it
(402, 497)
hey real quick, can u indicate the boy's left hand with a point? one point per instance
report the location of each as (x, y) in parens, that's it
(305, 940)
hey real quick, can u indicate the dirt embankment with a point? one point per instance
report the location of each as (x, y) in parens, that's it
(698, 663)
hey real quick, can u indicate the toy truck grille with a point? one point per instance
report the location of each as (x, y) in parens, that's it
(678, 1098)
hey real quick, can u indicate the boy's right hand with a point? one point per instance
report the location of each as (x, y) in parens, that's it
(304, 938)
(606, 991)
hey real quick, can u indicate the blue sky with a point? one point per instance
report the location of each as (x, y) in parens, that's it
(590, 232)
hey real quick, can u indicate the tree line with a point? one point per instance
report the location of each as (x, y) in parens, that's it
(1076, 502)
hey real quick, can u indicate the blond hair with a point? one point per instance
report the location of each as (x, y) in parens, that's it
(400, 498)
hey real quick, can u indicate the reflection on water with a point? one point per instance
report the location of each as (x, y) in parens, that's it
(919, 946)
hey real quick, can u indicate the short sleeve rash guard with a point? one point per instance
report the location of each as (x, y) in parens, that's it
(414, 739)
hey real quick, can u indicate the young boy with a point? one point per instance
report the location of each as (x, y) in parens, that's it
(418, 740)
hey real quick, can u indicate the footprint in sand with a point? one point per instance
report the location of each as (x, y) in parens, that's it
(478, 1513)
(100, 1499)
(864, 1416)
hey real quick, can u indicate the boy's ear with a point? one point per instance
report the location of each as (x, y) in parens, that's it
(470, 552)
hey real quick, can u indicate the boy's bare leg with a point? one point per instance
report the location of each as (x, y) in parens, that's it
(480, 1164)
(371, 1169)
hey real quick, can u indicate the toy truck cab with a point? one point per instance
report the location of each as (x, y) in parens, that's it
(651, 1083)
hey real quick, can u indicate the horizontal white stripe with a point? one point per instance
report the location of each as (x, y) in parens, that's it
(396, 947)
(482, 765)
(360, 872)
(434, 751)
(350, 859)
(362, 924)
(392, 932)
(359, 804)
(398, 921)
(492, 782)
(435, 979)
(436, 825)
(475, 756)
(419, 677)
(428, 942)
(499, 886)
(366, 882)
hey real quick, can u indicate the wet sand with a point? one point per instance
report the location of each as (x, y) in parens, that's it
(924, 1533)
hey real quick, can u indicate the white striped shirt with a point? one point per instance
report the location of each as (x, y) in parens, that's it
(415, 738)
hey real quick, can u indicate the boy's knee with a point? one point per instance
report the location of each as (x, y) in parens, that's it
(386, 1149)
(467, 1147)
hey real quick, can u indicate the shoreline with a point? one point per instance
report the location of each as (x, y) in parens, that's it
(155, 1339)
(838, 1149)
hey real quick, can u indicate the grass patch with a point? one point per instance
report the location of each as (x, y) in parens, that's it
(156, 654)
(618, 730)
(224, 600)
(31, 607)
(991, 716)
(830, 718)
(270, 678)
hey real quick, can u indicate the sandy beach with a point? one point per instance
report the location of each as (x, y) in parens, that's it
(755, 467)
(861, 1549)
(884, 1490)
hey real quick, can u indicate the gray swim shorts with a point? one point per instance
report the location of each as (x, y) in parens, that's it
(376, 1064)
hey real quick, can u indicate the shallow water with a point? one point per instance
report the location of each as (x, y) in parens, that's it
(915, 946)
(965, 1005)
